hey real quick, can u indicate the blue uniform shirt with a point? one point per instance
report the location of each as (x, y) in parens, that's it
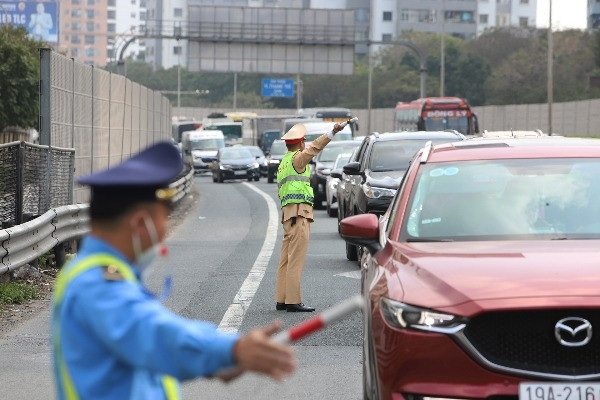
(117, 339)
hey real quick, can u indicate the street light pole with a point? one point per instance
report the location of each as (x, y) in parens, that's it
(550, 71)
(235, 91)
(178, 78)
(369, 91)
(443, 52)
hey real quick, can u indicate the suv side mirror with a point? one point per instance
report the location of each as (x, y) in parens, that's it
(336, 173)
(352, 168)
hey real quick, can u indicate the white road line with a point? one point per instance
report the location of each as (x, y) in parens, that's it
(351, 274)
(232, 320)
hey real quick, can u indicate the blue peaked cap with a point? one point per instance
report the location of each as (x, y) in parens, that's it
(156, 166)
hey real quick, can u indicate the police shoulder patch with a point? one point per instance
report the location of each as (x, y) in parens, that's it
(111, 273)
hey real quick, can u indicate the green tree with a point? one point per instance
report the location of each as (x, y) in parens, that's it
(19, 77)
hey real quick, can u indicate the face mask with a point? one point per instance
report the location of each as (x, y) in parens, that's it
(144, 259)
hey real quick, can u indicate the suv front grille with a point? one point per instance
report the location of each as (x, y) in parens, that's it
(525, 340)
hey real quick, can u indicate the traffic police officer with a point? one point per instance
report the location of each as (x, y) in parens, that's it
(111, 338)
(297, 199)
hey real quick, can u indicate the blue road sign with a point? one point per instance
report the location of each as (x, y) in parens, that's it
(272, 87)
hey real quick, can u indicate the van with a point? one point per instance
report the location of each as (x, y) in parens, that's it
(200, 148)
(316, 129)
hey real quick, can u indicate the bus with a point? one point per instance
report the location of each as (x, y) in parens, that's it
(330, 114)
(436, 114)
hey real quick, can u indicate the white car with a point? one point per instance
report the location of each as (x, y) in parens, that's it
(331, 185)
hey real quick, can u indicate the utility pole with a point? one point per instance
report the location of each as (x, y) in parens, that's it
(550, 71)
(298, 92)
(443, 52)
(235, 91)
(179, 78)
(369, 90)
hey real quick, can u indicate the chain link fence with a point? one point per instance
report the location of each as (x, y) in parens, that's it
(33, 179)
(104, 117)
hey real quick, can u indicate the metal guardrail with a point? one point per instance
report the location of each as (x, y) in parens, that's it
(24, 243)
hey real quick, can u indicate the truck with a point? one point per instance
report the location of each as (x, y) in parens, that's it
(261, 131)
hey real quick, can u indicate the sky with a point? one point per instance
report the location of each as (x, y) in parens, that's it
(566, 14)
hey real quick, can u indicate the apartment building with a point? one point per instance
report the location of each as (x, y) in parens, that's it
(126, 19)
(83, 30)
(593, 12)
(504, 13)
(389, 18)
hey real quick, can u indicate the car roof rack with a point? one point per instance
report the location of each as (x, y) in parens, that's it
(426, 152)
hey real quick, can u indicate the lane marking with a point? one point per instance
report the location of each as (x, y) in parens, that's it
(351, 274)
(234, 316)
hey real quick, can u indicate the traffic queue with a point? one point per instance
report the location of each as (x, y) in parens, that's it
(462, 243)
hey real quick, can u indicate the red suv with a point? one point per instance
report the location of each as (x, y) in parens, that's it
(482, 279)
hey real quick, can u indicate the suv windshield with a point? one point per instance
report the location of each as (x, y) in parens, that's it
(395, 155)
(278, 149)
(330, 153)
(506, 199)
(256, 152)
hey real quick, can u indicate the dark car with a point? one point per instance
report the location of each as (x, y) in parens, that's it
(236, 162)
(481, 279)
(321, 167)
(263, 164)
(382, 160)
(278, 150)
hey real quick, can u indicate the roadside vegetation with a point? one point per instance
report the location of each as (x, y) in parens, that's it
(17, 293)
(502, 66)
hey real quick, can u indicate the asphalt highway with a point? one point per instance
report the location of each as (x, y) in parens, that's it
(223, 259)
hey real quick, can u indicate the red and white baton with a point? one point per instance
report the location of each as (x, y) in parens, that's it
(318, 322)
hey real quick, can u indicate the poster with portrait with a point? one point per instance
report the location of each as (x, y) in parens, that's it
(40, 18)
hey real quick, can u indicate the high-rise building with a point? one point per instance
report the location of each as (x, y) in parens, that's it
(93, 31)
(504, 13)
(126, 19)
(593, 12)
(83, 30)
(389, 18)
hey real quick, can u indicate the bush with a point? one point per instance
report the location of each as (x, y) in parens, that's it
(17, 293)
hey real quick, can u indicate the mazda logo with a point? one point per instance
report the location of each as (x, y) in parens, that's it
(573, 331)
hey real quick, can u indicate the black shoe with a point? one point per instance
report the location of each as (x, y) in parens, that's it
(280, 306)
(299, 308)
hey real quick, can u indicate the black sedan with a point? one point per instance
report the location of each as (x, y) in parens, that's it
(278, 150)
(235, 163)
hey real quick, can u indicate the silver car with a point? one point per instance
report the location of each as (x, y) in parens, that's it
(331, 185)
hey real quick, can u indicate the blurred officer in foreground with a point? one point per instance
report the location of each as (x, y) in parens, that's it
(297, 199)
(112, 339)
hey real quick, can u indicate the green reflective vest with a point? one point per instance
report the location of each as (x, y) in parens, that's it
(293, 187)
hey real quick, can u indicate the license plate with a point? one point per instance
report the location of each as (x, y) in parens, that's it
(239, 172)
(559, 391)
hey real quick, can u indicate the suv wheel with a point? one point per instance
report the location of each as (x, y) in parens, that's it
(351, 252)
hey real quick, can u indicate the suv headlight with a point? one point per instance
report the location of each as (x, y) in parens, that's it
(402, 315)
(375, 192)
(253, 165)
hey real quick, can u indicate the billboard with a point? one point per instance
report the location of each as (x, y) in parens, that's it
(40, 18)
